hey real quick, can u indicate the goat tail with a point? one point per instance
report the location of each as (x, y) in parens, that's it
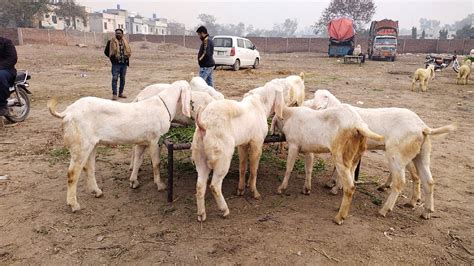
(52, 103)
(366, 132)
(440, 130)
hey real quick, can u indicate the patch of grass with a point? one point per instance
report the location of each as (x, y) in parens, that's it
(59, 154)
(179, 134)
(378, 89)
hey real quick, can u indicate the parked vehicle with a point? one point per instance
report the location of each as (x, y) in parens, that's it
(442, 62)
(383, 39)
(19, 101)
(236, 52)
(341, 37)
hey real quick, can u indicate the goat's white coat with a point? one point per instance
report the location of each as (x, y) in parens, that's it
(91, 121)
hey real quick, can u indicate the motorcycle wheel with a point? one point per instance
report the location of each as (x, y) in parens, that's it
(19, 113)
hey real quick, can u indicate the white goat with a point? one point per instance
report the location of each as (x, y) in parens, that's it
(221, 127)
(91, 121)
(199, 84)
(423, 76)
(199, 100)
(407, 141)
(339, 130)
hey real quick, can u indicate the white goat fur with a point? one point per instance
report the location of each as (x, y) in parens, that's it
(407, 143)
(339, 130)
(357, 50)
(225, 124)
(199, 84)
(464, 73)
(423, 76)
(91, 121)
(199, 100)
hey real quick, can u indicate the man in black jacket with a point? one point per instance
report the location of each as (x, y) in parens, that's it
(119, 52)
(8, 59)
(206, 56)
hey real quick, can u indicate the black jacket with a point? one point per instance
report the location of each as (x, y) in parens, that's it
(206, 53)
(113, 59)
(8, 56)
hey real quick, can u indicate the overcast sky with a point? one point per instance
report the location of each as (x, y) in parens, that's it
(264, 13)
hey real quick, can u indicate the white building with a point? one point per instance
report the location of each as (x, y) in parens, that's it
(52, 21)
(106, 22)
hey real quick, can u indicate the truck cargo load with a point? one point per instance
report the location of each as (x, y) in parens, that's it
(383, 39)
(341, 36)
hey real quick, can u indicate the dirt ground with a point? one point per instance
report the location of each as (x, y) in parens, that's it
(139, 226)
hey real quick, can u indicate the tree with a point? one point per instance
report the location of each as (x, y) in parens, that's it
(361, 11)
(209, 21)
(70, 11)
(466, 32)
(413, 32)
(288, 28)
(22, 13)
(423, 34)
(443, 34)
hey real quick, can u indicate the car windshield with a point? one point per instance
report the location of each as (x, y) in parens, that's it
(386, 41)
(222, 42)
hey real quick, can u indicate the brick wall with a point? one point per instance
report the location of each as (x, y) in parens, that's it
(265, 45)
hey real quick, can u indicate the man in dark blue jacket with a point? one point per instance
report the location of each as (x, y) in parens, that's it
(206, 56)
(8, 59)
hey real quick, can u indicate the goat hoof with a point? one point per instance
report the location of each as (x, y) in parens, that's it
(306, 191)
(256, 195)
(134, 184)
(383, 212)
(409, 205)
(161, 186)
(426, 215)
(98, 193)
(240, 192)
(280, 190)
(334, 190)
(202, 217)
(382, 188)
(75, 207)
(330, 184)
(338, 220)
(226, 213)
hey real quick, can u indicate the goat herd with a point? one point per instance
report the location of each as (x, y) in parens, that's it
(424, 75)
(320, 125)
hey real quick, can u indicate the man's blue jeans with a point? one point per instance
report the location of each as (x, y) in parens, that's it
(206, 74)
(118, 70)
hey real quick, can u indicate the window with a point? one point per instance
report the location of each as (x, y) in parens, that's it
(105, 25)
(248, 44)
(222, 42)
(54, 19)
(240, 43)
(136, 28)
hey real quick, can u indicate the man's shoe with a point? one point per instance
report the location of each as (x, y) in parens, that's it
(122, 96)
(114, 98)
(4, 111)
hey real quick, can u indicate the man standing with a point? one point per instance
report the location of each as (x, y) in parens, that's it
(205, 56)
(8, 59)
(119, 52)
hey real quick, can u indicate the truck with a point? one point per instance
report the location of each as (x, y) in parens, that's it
(383, 40)
(341, 37)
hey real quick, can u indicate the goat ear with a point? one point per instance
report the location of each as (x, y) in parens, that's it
(278, 104)
(186, 100)
(302, 76)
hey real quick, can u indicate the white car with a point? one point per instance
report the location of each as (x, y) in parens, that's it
(235, 52)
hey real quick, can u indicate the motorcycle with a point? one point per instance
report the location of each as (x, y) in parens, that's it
(19, 101)
(441, 63)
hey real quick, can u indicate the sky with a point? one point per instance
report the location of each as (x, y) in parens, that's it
(265, 13)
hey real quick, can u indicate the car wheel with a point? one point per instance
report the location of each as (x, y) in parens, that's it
(255, 64)
(236, 65)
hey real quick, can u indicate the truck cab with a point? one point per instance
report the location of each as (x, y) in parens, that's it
(385, 47)
(383, 40)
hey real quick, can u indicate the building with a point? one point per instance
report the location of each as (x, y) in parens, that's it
(158, 26)
(52, 21)
(105, 22)
(135, 24)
